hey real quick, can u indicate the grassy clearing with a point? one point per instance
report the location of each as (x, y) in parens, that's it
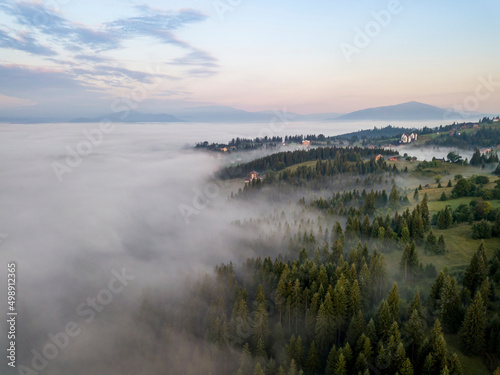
(460, 247)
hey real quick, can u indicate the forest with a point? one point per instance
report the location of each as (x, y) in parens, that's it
(356, 268)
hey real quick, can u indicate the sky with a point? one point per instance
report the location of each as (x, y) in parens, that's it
(71, 58)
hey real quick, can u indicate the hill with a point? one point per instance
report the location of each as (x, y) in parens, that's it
(411, 111)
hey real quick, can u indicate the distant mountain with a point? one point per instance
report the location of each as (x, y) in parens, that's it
(411, 111)
(230, 114)
(224, 114)
(320, 116)
(132, 116)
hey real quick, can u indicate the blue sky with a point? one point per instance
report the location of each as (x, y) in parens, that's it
(74, 58)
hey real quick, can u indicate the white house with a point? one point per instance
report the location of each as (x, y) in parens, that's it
(408, 138)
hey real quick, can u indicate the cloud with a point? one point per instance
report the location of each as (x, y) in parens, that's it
(11, 101)
(196, 57)
(91, 58)
(19, 79)
(76, 50)
(155, 23)
(37, 17)
(24, 42)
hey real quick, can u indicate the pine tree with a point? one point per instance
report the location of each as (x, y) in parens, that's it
(455, 366)
(261, 328)
(409, 264)
(415, 332)
(393, 301)
(371, 331)
(431, 243)
(405, 234)
(296, 294)
(325, 324)
(418, 228)
(416, 304)
(384, 320)
(473, 326)
(340, 307)
(415, 195)
(356, 328)
(476, 271)
(331, 361)
(354, 298)
(258, 369)
(394, 197)
(313, 363)
(292, 370)
(341, 366)
(445, 219)
(424, 209)
(361, 364)
(486, 291)
(406, 368)
(441, 246)
(246, 359)
(450, 309)
(435, 293)
(365, 227)
(260, 350)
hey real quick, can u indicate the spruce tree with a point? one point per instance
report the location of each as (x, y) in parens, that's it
(325, 324)
(313, 363)
(371, 331)
(356, 328)
(450, 305)
(445, 219)
(384, 320)
(476, 271)
(393, 301)
(415, 332)
(473, 327)
(431, 243)
(331, 361)
(394, 197)
(340, 366)
(454, 365)
(258, 369)
(424, 209)
(409, 264)
(405, 235)
(406, 368)
(441, 246)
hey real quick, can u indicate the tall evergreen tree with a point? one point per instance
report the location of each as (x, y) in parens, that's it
(415, 332)
(341, 366)
(424, 209)
(393, 301)
(431, 243)
(476, 271)
(325, 324)
(384, 320)
(450, 309)
(441, 246)
(473, 328)
(409, 264)
(313, 362)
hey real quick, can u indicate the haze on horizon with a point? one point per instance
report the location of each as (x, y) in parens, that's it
(68, 58)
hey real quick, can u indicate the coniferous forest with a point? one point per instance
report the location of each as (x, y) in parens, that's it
(346, 272)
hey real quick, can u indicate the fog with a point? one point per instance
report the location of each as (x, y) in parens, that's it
(129, 205)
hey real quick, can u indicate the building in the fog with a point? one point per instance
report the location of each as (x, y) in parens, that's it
(408, 138)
